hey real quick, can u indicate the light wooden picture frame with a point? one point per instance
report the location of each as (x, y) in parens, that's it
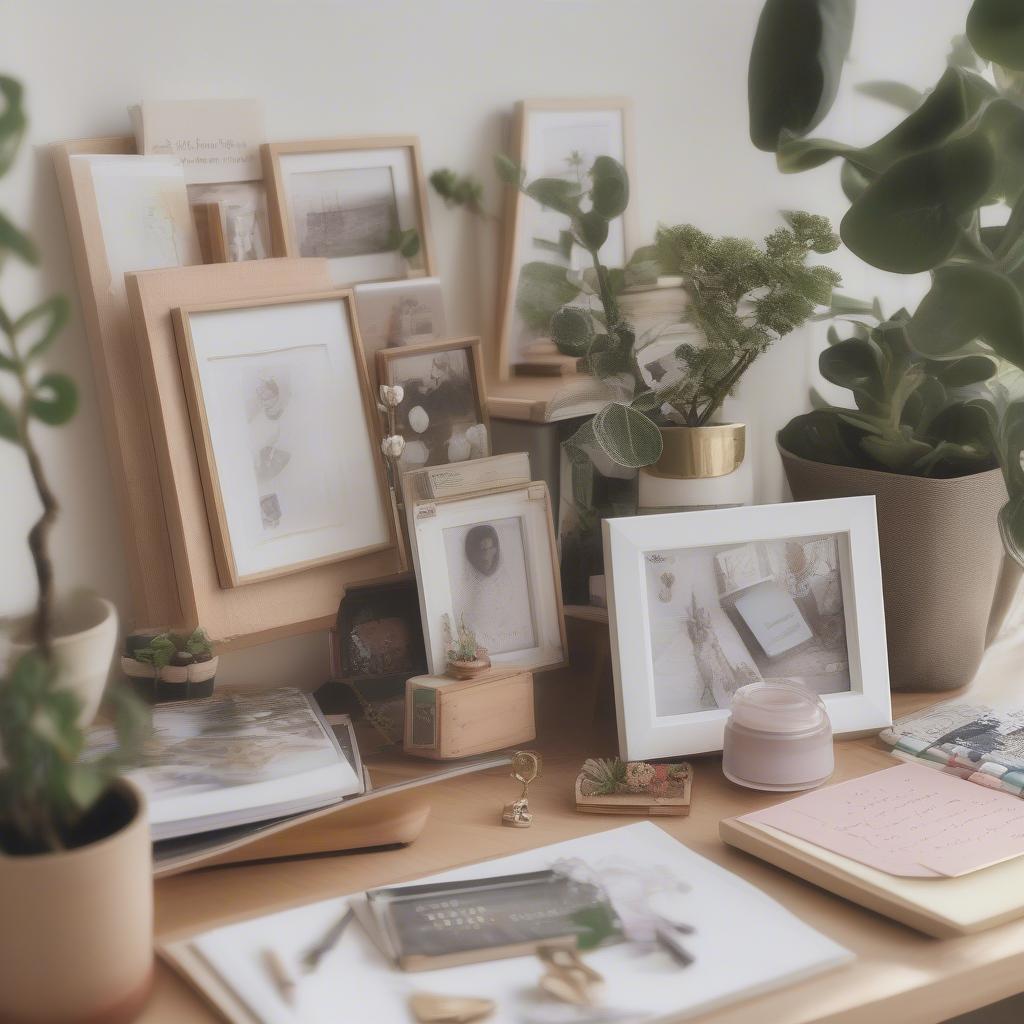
(118, 376)
(443, 415)
(510, 594)
(701, 603)
(542, 129)
(288, 605)
(349, 200)
(265, 412)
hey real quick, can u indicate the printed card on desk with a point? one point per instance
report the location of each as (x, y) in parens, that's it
(908, 821)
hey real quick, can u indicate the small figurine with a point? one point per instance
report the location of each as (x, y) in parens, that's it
(526, 765)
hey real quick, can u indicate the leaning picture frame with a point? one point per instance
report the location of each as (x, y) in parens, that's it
(443, 412)
(279, 400)
(701, 603)
(489, 559)
(547, 133)
(360, 202)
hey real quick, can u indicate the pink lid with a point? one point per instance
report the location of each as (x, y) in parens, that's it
(778, 706)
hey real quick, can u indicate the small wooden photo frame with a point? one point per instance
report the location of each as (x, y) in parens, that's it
(286, 434)
(546, 134)
(443, 415)
(490, 559)
(352, 201)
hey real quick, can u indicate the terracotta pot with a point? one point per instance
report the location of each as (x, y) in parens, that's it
(76, 930)
(84, 639)
(946, 579)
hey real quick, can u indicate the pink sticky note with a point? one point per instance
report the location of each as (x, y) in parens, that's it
(909, 820)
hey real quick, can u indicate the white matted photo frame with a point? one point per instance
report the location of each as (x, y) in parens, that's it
(443, 414)
(701, 603)
(279, 400)
(353, 201)
(557, 138)
(490, 559)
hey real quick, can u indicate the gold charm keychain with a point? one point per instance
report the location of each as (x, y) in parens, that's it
(526, 766)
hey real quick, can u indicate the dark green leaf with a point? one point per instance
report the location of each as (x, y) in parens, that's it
(54, 400)
(556, 194)
(898, 451)
(626, 436)
(592, 230)
(854, 364)
(12, 240)
(8, 423)
(609, 190)
(47, 319)
(543, 289)
(907, 220)
(996, 31)
(409, 243)
(821, 436)
(795, 66)
(572, 330)
(965, 303)
(853, 180)
(12, 121)
(961, 373)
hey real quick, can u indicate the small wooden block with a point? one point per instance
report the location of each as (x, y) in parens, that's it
(448, 718)
(644, 805)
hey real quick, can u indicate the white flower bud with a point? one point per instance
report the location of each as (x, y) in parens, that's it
(393, 446)
(392, 394)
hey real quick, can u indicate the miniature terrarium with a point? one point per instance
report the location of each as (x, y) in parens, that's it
(466, 658)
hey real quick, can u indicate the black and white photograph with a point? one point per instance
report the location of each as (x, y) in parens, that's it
(397, 314)
(490, 583)
(722, 617)
(350, 211)
(441, 415)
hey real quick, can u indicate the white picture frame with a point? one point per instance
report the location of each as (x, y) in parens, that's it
(285, 434)
(546, 133)
(448, 585)
(649, 727)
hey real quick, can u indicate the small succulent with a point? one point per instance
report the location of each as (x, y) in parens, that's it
(178, 649)
(639, 775)
(602, 776)
(460, 641)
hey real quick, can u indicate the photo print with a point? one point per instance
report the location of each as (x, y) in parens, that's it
(349, 211)
(232, 220)
(441, 415)
(490, 585)
(724, 616)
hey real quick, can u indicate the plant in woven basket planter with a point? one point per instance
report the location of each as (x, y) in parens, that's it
(170, 666)
(930, 195)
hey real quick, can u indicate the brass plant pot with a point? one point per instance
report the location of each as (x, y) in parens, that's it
(698, 453)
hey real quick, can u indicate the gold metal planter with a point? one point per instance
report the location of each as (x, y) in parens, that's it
(697, 453)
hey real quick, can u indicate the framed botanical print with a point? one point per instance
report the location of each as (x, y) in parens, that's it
(285, 433)
(442, 415)
(489, 560)
(360, 203)
(557, 139)
(702, 603)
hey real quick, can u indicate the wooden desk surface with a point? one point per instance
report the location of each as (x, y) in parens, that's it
(899, 974)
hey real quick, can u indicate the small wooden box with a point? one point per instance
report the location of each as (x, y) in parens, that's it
(448, 718)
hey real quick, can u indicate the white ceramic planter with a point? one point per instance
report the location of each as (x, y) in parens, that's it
(85, 636)
(76, 928)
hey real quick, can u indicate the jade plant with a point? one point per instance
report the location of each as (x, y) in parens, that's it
(743, 298)
(942, 192)
(910, 415)
(47, 788)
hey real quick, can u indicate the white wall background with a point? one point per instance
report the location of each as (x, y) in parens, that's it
(449, 71)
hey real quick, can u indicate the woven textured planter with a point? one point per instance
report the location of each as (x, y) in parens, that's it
(946, 588)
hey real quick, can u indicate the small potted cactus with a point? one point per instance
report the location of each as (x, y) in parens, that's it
(166, 666)
(466, 658)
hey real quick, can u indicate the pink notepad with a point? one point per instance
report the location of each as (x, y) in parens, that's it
(909, 820)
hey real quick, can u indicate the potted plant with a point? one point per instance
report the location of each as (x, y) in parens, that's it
(170, 666)
(742, 299)
(75, 881)
(924, 197)
(465, 657)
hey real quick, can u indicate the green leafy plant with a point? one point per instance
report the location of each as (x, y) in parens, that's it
(744, 298)
(911, 415)
(460, 641)
(463, 190)
(47, 788)
(603, 776)
(927, 195)
(177, 649)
